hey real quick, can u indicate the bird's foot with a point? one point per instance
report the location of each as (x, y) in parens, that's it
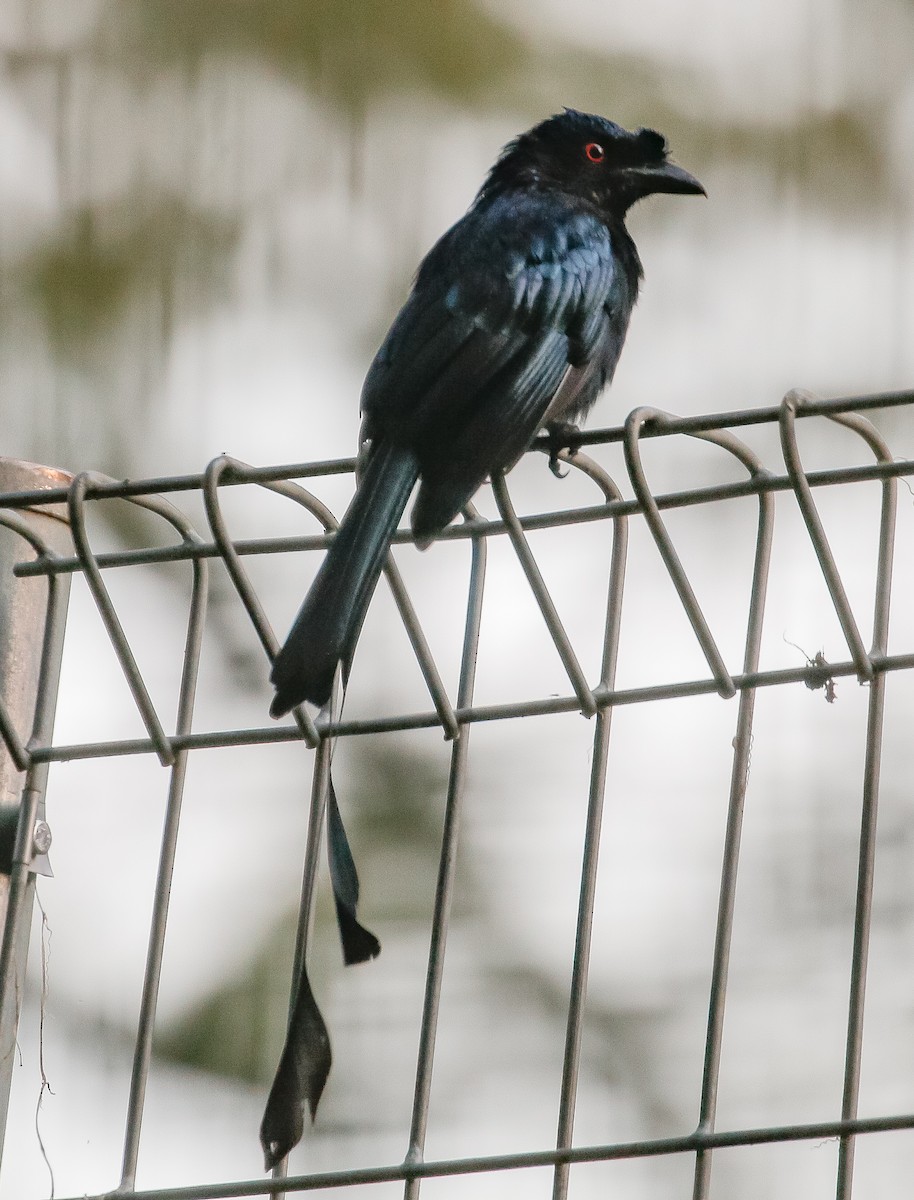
(561, 437)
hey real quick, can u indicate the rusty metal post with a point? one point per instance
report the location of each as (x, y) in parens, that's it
(32, 618)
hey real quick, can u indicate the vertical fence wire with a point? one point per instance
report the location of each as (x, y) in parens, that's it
(867, 860)
(592, 829)
(455, 721)
(739, 779)
(177, 777)
(444, 889)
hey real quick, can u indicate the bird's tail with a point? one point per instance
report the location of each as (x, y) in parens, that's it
(327, 627)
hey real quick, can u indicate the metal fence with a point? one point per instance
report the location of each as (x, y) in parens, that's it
(35, 507)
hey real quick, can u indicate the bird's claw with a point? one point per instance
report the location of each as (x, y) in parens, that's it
(560, 435)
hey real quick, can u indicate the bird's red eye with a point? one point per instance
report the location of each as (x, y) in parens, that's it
(595, 152)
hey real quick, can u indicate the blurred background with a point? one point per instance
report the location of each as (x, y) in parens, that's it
(209, 212)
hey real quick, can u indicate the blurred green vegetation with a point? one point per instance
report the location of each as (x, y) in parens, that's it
(99, 257)
(344, 50)
(348, 55)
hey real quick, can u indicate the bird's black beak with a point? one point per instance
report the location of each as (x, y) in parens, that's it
(664, 177)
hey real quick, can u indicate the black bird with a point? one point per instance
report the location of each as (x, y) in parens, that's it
(515, 321)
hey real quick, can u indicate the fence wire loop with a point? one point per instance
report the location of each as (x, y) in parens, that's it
(76, 506)
(885, 556)
(633, 427)
(541, 593)
(239, 577)
(790, 406)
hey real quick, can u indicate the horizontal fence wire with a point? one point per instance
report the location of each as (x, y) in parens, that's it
(175, 744)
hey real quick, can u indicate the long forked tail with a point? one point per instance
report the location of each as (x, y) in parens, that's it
(329, 621)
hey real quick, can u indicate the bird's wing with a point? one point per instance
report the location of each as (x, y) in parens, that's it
(509, 299)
